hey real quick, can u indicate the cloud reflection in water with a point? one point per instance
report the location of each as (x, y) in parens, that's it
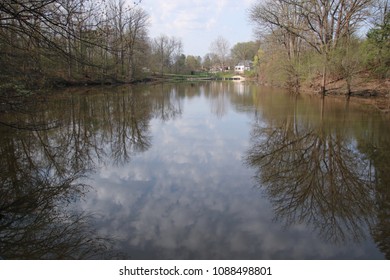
(190, 196)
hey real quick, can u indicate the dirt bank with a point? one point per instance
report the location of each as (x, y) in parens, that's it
(364, 90)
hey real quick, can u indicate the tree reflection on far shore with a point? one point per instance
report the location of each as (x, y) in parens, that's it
(36, 191)
(313, 173)
(42, 173)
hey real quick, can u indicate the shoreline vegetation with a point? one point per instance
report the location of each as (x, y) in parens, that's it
(303, 46)
(364, 90)
(147, 79)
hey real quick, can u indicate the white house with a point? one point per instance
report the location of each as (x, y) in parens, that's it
(243, 66)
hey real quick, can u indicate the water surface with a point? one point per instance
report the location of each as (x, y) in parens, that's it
(194, 171)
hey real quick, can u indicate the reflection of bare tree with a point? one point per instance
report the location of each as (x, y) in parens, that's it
(24, 107)
(131, 125)
(378, 150)
(167, 102)
(35, 191)
(112, 125)
(381, 231)
(219, 98)
(219, 103)
(314, 174)
(42, 172)
(230, 95)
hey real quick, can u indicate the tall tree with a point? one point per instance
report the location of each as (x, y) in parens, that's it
(128, 27)
(221, 48)
(70, 38)
(207, 62)
(321, 24)
(136, 39)
(166, 51)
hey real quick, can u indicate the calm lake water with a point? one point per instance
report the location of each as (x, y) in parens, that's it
(194, 171)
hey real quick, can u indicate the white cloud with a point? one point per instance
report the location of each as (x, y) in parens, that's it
(183, 16)
(199, 22)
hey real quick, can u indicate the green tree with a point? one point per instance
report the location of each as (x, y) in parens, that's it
(244, 51)
(193, 63)
(257, 60)
(378, 42)
(207, 62)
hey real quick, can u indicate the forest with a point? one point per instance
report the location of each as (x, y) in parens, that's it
(299, 44)
(316, 43)
(53, 41)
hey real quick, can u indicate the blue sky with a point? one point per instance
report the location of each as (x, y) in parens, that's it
(199, 22)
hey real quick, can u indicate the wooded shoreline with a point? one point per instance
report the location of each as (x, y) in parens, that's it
(304, 46)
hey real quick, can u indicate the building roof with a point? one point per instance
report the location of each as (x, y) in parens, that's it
(246, 63)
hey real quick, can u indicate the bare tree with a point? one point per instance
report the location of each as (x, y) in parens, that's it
(166, 50)
(320, 24)
(221, 48)
(78, 35)
(136, 37)
(128, 25)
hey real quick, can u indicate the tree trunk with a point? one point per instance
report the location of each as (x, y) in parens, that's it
(324, 74)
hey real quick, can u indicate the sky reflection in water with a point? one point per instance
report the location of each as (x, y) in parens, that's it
(194, 171)
(192, 195)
